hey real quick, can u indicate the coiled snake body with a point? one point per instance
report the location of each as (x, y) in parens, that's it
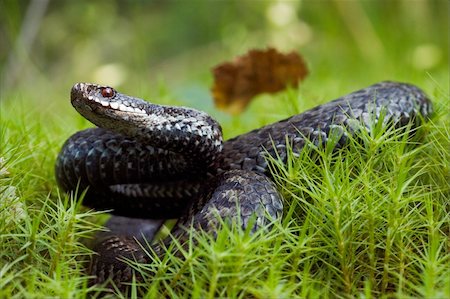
(148, 161)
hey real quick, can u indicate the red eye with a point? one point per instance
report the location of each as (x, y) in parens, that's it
(107, 92)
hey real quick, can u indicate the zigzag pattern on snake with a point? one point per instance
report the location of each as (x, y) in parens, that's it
(148, 161)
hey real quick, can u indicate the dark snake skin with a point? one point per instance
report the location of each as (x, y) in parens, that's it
(148, 161)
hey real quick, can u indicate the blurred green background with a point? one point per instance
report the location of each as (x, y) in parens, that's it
(164, 50)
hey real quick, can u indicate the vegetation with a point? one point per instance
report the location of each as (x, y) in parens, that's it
(371, 220)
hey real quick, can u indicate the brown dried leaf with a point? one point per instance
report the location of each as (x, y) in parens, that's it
(259, 71)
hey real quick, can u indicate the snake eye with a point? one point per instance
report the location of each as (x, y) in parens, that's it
(107, 92)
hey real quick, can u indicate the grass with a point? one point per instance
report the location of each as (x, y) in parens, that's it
(369, 221)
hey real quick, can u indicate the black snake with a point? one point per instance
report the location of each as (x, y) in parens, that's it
(148, 161)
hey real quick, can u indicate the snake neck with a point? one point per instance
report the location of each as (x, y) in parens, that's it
(181, 130)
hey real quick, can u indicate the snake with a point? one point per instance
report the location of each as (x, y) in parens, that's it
(146, 163)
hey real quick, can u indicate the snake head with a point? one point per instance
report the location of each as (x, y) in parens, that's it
(105, 107)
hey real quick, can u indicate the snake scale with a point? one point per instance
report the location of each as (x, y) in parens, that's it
(147, 161)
